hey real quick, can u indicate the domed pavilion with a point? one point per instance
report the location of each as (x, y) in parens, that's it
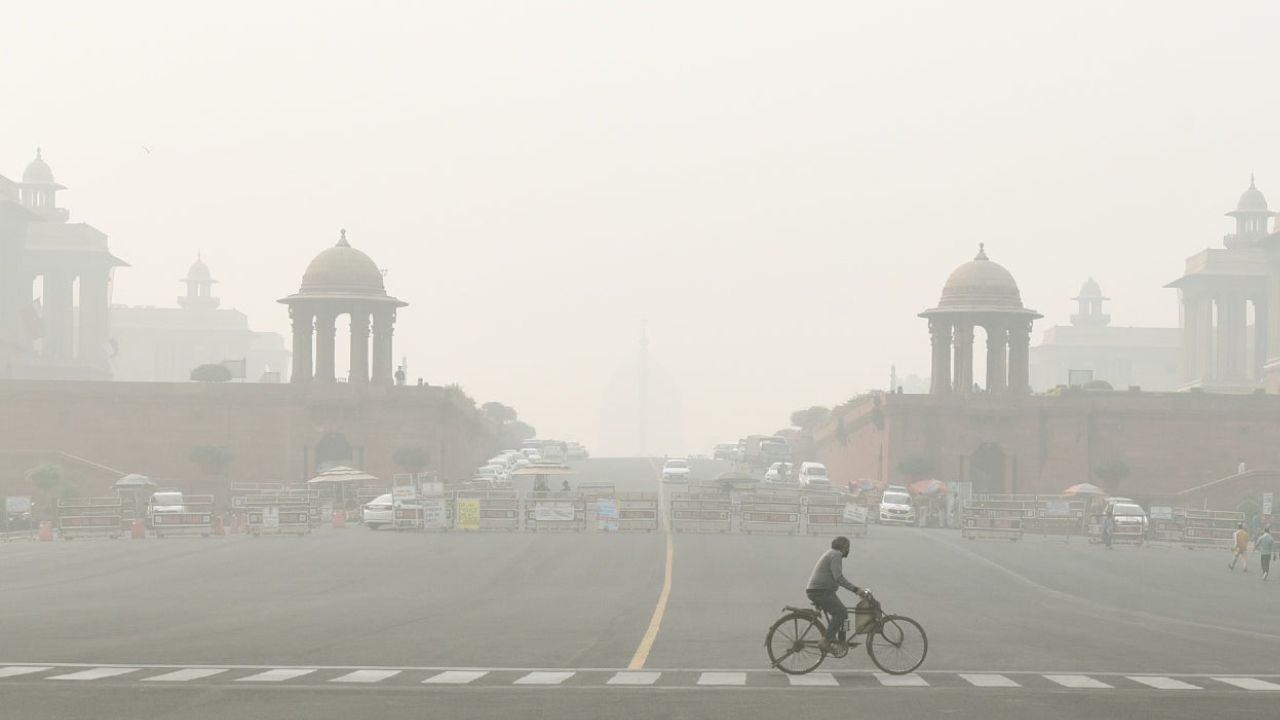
(342, 281)
(983, 294)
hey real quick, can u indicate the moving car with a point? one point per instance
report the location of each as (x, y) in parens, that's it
(675, 470)
(781, 473)
(165, 501)
(895, 507)
(378, 512)
(1127, 514)
(813, 476)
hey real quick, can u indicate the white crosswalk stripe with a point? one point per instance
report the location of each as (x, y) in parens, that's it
(909, 680)
(455, 677)
(634, 678)
(185, 675)
(278, 675)
(1078, 682)
(18, 670)
(814, 679)
(989, 680)
(1163, 683)
(366, 676)
(94, 674)
(722, 678)
(1245, 683)
(543, 677)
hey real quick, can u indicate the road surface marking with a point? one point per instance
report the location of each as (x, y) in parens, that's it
(544, 678)
(1245, 683)
(634, 678)
(655, 623)
(94, 674)
(1163, 683)
(185, 675)
(17, 670)
(366, 676)
(1077, 681)
(910, 680)
(818, 679)
(455, 677)
(277, 675)
(988, 680)
(722, 678)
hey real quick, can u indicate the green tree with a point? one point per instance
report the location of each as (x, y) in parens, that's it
(916, 466)
(213, 459)
(52, 483)
(809, 418)
(211, 372)
(1112, 473)
(499, 413)
(412, 458)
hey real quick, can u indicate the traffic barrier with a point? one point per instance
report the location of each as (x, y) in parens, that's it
(1210, 529)
(980, 520)
(339, 519)
(701, 513)
(592, 493)
(554, 512)
(45, 534)
(638, 512)
(832, 514)
(485, 510)
(777, 513)
(90, 518)
(279, 513)
(195, 518)
(139, 531)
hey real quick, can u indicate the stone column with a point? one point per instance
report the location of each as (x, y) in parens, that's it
(383, 320)
(1020, 356)
(1261, 339)
(359, 346)
(325, 332)
(1230, 335)
(303, 329)
(964, 357)
(997, 356)
(940, 335)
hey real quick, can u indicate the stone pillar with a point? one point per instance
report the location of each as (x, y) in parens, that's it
(303, 330)
(1230, 337)
(940, 335)
(1261, 338)
(964, 358)
(1020, 357)
(359, 347)
(325, 332)
(383, 320)
(997, 360)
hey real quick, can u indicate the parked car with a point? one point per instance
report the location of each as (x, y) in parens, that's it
(781, 473)
(1127, 514)
(896, 507)
(675, 470)
(378, 512)
(813, 476)
(165, 501)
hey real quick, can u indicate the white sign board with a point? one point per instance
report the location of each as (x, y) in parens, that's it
(552, 511)
(434, 513)
(1266, 503)
(400, 493)
(1057, 508)
(17, 504)
(432, 488)
(271, 516)
(607, 514)
(855, 513)
(1161, 513)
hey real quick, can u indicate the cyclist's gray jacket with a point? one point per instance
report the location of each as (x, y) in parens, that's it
(828, 574)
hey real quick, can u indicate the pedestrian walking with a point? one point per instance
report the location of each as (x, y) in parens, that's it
(1240, 551)
(1108, 528)
(1266, 547)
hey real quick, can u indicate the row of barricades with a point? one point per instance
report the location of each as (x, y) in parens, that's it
(505, 510)
(283, 512)
(778, 512)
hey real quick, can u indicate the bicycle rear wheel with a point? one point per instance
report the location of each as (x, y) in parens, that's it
(792, 643)
(897, 645)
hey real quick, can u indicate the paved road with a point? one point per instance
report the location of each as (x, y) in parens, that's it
(536, 625)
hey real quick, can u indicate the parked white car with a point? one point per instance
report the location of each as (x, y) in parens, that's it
(813, 476)
(675, 470)
(378, 512)
(896, 507)
(781, 473)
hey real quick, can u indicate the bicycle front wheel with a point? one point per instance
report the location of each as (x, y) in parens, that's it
(897, 645)
(792, 644)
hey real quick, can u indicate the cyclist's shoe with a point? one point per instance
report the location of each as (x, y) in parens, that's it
(824, 645)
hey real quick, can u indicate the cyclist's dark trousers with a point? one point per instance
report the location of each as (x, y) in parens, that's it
(830, 602)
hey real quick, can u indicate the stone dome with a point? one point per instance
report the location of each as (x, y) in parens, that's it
(199, 272)
(1252, 200)
(38, 171)
(1090, 290)
(981, 284)
(342, 270)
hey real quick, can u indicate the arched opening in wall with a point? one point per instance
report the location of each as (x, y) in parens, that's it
(34, 320)
(75, 317)
(986, 469)
(333, 450)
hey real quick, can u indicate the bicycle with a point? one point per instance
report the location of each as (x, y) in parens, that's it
(896, 644)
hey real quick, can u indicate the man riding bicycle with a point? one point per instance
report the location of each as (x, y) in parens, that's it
(828, 577)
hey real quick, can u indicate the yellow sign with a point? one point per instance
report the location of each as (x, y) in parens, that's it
(468, 514)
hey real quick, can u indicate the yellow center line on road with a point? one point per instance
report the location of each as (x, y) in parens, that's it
(655, 623)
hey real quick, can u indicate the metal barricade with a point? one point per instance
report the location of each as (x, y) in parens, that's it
(495, 509)
(980, 521)
(638, 511)
(701, 513)
(554, 512)
(777, 513)
(833, 514)
(195, 518)
(99, 517)
(1210, 529)
(281, 513)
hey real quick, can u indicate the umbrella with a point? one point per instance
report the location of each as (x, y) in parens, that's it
(342, 473)
(540, 469)
(134, 480)
(1083, 489)
(927, 487)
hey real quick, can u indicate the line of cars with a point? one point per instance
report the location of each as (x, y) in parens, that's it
(810, 475)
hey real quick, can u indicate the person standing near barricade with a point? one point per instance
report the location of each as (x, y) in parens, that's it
(1240, 551)
(1108, 528)
(1265, 545)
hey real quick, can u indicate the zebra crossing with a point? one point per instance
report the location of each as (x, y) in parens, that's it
(603, 678)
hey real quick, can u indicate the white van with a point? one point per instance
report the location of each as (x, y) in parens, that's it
(813, 476)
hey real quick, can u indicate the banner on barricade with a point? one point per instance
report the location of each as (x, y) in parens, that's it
(432, 487)
(1057, 508)
(434, 514)
(553, 511)
(1266, 503)
(855, 513)
(1161, 512)
(270, 516)
(607, 514)
(468, 510)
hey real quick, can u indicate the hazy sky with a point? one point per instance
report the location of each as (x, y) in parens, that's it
(779, 186)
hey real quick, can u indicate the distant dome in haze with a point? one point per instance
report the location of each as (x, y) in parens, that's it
(38, 171)
(1252, 200)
